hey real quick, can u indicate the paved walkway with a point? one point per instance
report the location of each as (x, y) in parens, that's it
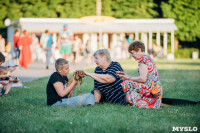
(38, 70)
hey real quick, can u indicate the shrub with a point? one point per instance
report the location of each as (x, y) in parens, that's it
(185, 52)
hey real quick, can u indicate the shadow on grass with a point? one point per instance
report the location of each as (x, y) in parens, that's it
(180, 87)
(181, 63)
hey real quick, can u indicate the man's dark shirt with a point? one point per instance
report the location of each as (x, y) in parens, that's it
(52, 95)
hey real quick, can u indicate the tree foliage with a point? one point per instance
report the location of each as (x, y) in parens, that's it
(185, 12)
(14, 9)
(187, 17)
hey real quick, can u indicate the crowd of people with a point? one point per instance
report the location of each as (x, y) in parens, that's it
(31, 47)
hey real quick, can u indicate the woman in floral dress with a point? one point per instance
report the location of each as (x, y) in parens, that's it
(145, 90)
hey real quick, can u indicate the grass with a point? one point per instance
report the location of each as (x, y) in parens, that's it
(25, 110)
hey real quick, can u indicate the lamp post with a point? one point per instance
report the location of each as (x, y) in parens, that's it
(98, 20)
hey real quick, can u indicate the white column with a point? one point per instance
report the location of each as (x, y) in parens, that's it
(118, 47)
(114, 46)
(150, 40)
(144, 40)
(114, 40)
(136, 36)
(85, 38)
(54, 40)
(165, 44)
(105, 40)
(158, 38)
(10, 34)
(94, 42)
(100, 39)
(172, 42)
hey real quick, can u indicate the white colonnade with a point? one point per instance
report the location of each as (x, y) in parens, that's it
(146, 37)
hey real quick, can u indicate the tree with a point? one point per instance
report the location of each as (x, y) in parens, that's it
(187, 17)
(133, 9)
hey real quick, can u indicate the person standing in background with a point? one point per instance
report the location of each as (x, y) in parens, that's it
(35, 47)
(124, 47)
(24, 45)
(130, 38)
(16, 46)
(77, 43)
(87, 52)
(47, 42)
(66, 37)
(2, 44)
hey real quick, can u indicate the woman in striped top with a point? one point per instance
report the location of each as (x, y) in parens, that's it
(107, 86)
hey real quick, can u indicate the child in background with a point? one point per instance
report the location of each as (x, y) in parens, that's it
(2, 60)
(6, 86)
(3, 74)
(11, 66)
(57, 54)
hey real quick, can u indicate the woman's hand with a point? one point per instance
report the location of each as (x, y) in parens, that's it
(123, 76)
(86, 73)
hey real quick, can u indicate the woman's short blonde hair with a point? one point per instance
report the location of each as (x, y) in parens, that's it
(135, 45)
(103, 52)
(60, 63)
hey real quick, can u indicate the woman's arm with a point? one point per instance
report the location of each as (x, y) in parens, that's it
(4, 82)
(140, 79)
(102, 78)
(64, 91)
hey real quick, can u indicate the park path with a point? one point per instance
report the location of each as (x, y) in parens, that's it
(38, 70)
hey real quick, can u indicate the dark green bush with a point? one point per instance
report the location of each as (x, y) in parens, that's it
(185, 52)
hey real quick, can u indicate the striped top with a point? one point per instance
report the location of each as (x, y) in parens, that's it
(112, 92)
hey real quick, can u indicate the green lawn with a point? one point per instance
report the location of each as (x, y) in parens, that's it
(25, 110)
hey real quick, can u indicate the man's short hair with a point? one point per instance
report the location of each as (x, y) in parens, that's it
(2, 58)
(60, 63)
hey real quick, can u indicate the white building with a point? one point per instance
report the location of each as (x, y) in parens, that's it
(102, 36)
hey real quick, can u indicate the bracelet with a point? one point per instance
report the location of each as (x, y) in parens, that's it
(130, 78)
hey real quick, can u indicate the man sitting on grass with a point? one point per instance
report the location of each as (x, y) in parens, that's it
(57, 91)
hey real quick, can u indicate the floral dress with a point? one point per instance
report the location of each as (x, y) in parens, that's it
(148, 94)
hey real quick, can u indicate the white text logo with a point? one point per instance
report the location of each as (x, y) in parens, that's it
(184, 128)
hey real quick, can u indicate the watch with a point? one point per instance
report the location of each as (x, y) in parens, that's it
(130, 78)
